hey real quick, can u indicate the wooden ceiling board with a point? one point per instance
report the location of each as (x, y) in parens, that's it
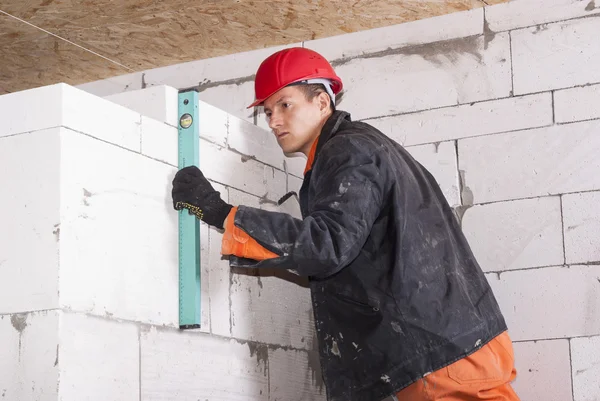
(36, 59)
(144, 34)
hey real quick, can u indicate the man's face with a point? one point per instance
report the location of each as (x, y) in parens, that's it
(295, 121)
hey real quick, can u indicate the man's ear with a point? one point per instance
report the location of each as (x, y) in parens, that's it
(324, 101)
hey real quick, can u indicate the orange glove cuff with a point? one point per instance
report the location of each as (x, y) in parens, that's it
(237, 242)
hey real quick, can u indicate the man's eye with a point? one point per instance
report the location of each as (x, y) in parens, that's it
(286, 105)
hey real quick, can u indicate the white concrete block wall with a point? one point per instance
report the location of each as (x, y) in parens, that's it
(234, 68)
(551, 56)
(271, 310)
(425, 76)
(157, 102)
(27, 222)
(442, 28)
(440, 160)
(185, 366)
(89, 300)
(475, 119)
(544, 161)
(519, 14)
(582, 227)
(288, 383)
(56, 355)
(552, 302)
(29, 356)
(118, 244)
(543, 367)
(113, 85)
(232, 97)
(577, 104)
(512, 92)
(585, 356)
(99, 358)
(517, 234)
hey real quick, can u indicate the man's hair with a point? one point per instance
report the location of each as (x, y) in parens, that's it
(313, 90)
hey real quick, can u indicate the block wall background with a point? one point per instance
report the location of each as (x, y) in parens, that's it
(502, 104)
(88, 257)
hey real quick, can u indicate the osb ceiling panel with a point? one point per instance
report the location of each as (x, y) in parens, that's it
(30, 58)
(138, 35)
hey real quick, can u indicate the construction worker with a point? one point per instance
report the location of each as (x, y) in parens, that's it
(401, 306)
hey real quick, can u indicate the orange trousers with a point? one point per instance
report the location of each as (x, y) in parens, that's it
(484, 375)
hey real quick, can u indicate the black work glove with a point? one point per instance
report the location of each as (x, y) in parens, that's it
(192, 191)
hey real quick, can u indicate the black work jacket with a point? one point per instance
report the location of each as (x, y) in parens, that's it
(396, 291)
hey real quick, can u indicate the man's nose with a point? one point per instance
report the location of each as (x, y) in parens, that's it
(275, 121)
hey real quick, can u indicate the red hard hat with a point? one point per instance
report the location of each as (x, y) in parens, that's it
(288, 66)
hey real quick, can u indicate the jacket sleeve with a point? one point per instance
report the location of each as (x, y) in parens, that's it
(347, 192)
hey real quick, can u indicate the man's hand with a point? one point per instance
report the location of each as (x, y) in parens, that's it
(192, 191)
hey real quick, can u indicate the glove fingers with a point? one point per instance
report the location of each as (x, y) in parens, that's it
(187, 174)
(183, 196)
(192, 171)
(183, 179)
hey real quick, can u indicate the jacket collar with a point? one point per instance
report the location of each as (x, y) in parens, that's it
(329, 129)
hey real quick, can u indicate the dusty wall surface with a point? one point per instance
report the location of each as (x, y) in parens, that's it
(502, 105)
(88, 263)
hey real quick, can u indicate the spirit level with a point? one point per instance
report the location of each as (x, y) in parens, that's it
(189, 225)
